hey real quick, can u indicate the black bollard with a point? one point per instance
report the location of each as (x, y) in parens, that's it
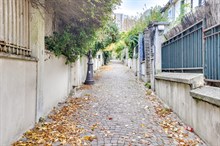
(89, 77)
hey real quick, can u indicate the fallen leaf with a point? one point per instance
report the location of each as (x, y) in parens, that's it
(90, 138)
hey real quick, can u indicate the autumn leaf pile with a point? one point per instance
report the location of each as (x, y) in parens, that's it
(173, 128)
(59, 128)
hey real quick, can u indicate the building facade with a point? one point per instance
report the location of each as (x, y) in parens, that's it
(177, 8)
(124, 22)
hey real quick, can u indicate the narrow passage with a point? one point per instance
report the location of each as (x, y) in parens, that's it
(116, 111)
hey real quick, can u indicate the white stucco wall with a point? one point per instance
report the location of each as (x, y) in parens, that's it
(129, 63)
(134, 66)
(78, 71)
(98, 61)
(56, 81)
(17, 98)
(177, 6)
(202, 116)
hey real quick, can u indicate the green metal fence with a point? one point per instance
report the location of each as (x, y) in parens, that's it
(212, 53)
(184, 52)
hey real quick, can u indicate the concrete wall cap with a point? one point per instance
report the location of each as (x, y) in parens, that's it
(17, 57)
(208, 94)
(194, 79)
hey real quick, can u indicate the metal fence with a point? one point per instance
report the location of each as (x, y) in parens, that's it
(212, 53)
(14, 27)
(184, 52)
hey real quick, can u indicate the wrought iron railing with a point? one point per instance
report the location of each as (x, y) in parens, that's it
(184, 52)
(212, 53)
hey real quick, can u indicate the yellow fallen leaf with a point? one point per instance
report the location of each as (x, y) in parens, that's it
(89, 138)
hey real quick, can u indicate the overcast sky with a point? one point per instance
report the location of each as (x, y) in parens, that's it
(131, 7)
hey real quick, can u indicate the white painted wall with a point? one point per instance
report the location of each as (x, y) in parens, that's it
(134, 66)
(18, 90)
(79, 71)
(17, 98)
(202, 116)
(177, 9)
(29, 89)
(129, 63)
(56, 81)
(98, 61)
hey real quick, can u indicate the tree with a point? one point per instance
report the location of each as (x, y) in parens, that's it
(80, 18)
(106, 36)
(130, 38)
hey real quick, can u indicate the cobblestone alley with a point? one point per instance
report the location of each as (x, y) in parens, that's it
(119, 112)
(125, 115)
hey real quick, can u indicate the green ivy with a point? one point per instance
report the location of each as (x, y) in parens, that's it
(130, 38)
(64, 44)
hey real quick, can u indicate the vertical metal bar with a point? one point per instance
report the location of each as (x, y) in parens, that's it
(183, 51)
(182, 54)
(5, 26)
(200, 48)
(14, 23)
(214, 55)
(2, 20)
(196, 48)
(211, 56)
(218, 54)
(17, 24)
(187, 51)
(207, 55)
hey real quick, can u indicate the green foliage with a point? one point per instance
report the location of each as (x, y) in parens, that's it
(64, 44)
(130, 38)
(120, 46)
(184, 7)
(131, 41)
(148, 85)
(80, 24)
(105, 36)
(107, 56)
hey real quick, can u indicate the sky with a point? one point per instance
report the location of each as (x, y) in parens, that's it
(131, 7)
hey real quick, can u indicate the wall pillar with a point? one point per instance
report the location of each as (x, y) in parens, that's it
(37, 46)
(157, 30)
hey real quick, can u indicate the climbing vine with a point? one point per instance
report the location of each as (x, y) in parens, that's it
(130, 38)
(64, 44)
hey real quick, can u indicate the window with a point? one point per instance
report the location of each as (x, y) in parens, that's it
(182, 9)
(170, 14)
(201, 2)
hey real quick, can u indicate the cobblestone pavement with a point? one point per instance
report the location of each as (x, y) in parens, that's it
(121, 114)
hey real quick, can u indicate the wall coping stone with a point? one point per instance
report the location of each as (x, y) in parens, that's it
(208, 94)
(195, 80)
(17, 57)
